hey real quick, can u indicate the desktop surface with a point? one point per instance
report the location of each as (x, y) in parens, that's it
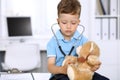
(25, 76)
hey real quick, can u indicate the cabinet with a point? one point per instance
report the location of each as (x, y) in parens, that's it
(107, 20)
(0, 18)
(106, 32)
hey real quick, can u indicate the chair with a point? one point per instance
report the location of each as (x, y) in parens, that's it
(22, 56)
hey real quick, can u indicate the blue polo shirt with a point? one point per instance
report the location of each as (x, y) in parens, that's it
(54, 51)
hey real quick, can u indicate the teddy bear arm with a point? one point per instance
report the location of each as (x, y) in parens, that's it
(72, 72)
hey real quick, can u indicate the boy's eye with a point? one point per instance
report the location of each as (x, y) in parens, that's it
(73, 23)
(64, 22)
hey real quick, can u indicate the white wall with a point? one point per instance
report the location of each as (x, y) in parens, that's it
(33, 8)
(43, 14)
(109, 57)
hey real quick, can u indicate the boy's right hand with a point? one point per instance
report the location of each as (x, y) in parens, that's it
(63, 69)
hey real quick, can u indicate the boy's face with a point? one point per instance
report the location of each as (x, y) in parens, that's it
(68, 24)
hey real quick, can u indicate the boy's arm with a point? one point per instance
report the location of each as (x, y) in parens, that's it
(52, 68)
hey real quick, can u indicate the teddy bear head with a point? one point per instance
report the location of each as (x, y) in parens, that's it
(89, 52)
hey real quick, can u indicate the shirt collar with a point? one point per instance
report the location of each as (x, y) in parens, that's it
(76, 35)
(59, 35)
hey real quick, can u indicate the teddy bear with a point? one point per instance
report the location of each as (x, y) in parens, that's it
(79, 68)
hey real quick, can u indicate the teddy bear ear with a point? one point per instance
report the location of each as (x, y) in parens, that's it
(78, 50)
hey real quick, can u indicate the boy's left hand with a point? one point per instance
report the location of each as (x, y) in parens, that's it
(96, 67)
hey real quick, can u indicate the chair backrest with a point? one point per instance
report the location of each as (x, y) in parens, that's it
(22, 56)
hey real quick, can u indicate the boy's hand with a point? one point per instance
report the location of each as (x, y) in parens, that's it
(96, 67)
(69, 60)
(63, 69)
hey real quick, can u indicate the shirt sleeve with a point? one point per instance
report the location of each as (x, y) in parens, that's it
(83, 40)
(51, 50)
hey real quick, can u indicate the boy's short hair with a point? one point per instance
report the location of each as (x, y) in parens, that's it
(69, 7)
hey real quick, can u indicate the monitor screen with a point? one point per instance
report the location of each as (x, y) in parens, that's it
(19, 26)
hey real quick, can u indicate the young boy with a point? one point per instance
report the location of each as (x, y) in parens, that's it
(68, 21)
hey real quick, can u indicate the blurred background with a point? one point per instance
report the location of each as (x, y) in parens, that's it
(101, 19)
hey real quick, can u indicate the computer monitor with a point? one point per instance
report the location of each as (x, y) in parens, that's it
(19, 27)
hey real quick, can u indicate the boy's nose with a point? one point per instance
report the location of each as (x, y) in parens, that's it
(68, 26)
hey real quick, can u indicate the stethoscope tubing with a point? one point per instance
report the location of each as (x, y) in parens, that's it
(73, 44)
(57, 38)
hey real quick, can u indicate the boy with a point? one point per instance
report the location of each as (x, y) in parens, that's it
(68, 21)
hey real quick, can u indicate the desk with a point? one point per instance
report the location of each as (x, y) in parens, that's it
(34, 40)
(25, 76)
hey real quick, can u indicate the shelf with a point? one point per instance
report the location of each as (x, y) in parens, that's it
(108, 24)
(106, 16)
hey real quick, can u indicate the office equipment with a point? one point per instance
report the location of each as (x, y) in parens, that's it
(106, 6)
(99, 8)
(105, 28)
(19, 27)
(97, 32)
(113, 7)
(113, 29)
(22, 56)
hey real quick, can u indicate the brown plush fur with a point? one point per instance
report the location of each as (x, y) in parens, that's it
(88, 57)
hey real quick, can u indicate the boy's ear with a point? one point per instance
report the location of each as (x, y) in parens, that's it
(79, 21)
(57, 20)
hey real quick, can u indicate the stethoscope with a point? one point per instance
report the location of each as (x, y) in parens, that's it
(60, 48)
